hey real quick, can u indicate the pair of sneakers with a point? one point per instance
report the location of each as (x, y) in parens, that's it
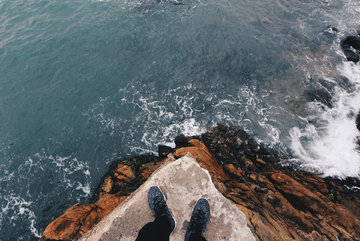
(199, 218)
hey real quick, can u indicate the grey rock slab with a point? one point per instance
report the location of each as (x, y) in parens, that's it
(183, 182)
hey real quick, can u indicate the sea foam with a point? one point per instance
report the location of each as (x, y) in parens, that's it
(328, 144)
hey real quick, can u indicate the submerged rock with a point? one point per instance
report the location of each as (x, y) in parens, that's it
(164, 151)
(357, 121)
(319, 96)
(345, 83)
(353, 41)
(279, 203)
(349, 44)
(328, 34)
(351, 56)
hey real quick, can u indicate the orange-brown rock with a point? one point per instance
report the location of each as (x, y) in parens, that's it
(279, 203)
(260, 161)
(108, 184)
(200, 152)
(124, 173)
(147, 169)
(79, 219)
(237, 173)
(123, 177)
(300, 195)
(67, 226)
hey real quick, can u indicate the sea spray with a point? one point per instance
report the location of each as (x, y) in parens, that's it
(327, 144)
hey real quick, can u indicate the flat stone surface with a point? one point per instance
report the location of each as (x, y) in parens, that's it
(183, 182)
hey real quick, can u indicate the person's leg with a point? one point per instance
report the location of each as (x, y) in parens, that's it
(198, 221)
(159, 230)
(196, 237)
(164, 223)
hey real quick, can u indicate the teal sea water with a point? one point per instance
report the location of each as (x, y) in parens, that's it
(85, 82)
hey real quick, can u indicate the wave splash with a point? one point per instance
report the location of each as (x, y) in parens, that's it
(327, 142)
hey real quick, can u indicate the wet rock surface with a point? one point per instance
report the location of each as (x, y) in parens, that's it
(351, 56)
(351, 47)
(279, 203)
(320, 96)
(353, 41)
(345, 84)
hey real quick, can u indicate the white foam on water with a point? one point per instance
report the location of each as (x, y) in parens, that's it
(152, 119)
(17, 207)
(251, 113)
(71, 167)
(327, 144)
(18, 204)
(188, 128)
(162, 123)
(149, 120)
(326, 141)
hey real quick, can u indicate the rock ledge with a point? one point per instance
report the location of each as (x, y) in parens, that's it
(183, 182)
(279, 202)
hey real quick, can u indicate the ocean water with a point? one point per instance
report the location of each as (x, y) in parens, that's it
(85, 82)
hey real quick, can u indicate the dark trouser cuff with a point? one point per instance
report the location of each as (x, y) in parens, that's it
(196, 237)
(159, 230)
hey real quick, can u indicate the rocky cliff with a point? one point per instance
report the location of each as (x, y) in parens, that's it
(279, 202)
(183, 183)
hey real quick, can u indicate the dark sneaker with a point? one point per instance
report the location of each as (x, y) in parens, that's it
(199, 218)
(158, 207)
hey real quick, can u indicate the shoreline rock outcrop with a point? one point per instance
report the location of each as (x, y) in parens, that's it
(279, 202)
(183, 183)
